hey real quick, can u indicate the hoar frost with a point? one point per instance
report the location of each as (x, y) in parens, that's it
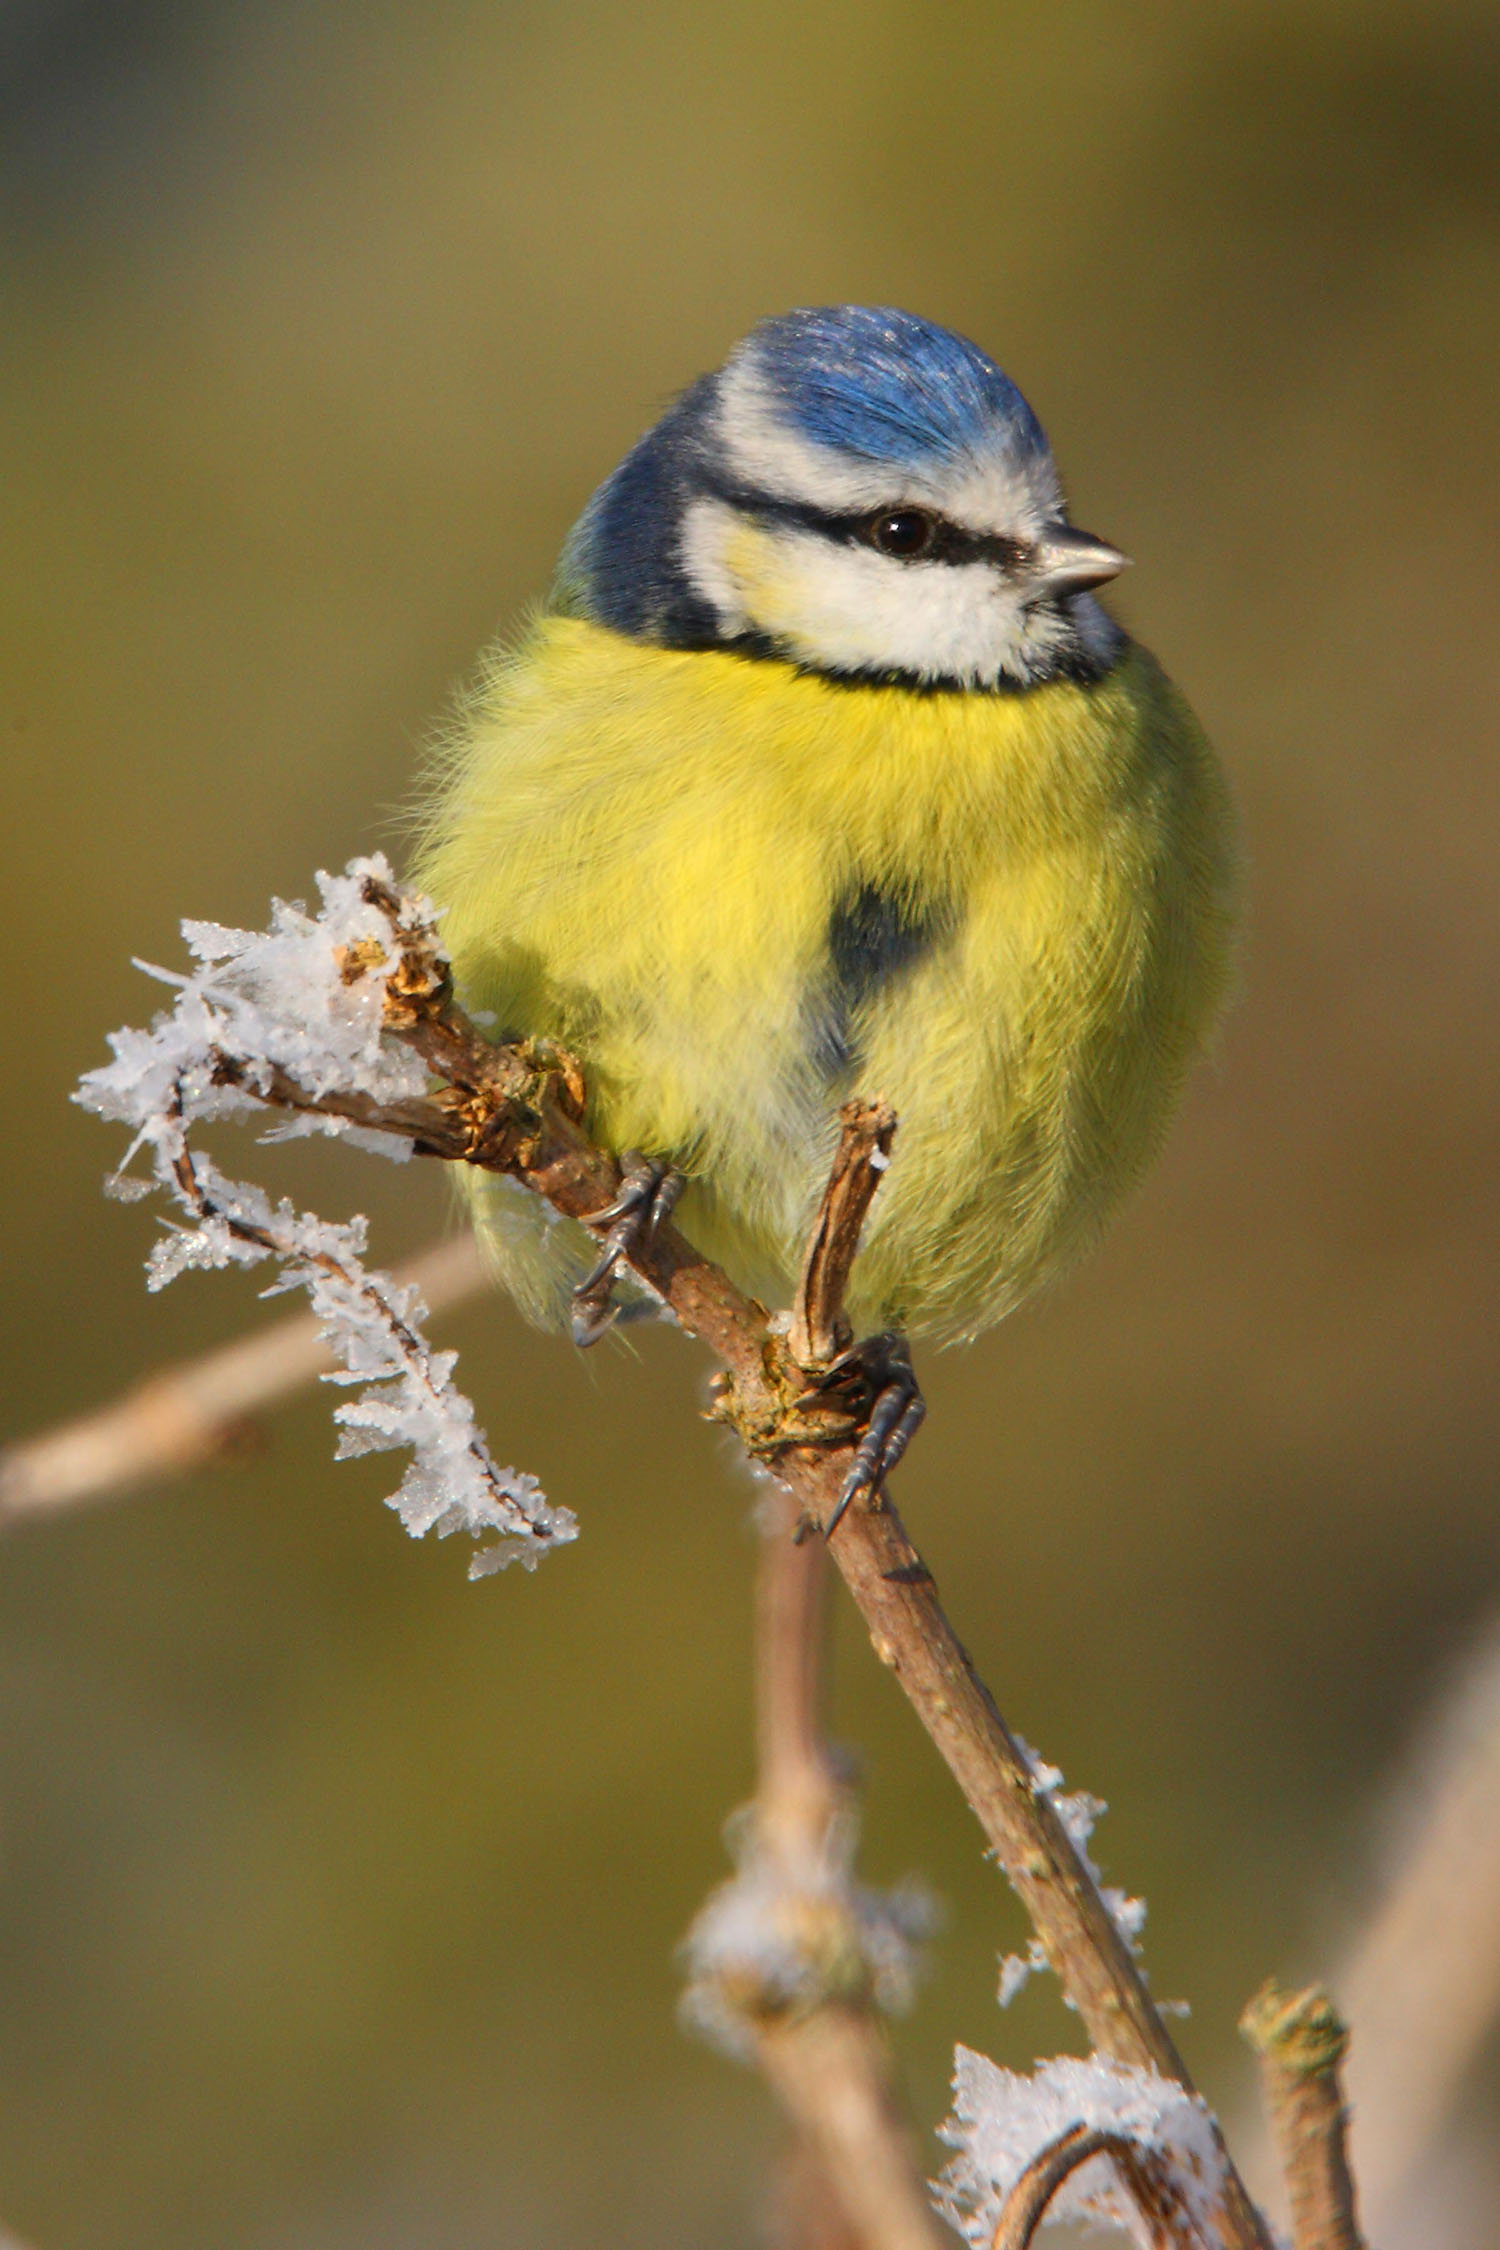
(1002, 2122)
(792, 1928)
(1080, 1815)
(284, 1002)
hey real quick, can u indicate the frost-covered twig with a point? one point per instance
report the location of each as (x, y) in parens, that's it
(1301, 2042)
(1079, 1934)
(198, 1410)
(1087, 1934)
(1031, 2198)
(1086, 2140)
(1080, 1814)
(791, 1963)
(785, 1954)
(304, 1007)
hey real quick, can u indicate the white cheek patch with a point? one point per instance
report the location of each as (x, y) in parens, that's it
(841, 608)
(848, 609)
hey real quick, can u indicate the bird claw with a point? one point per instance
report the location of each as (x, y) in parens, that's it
(884, 1404)
(648, 1193)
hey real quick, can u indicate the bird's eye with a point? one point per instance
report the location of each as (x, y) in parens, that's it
(903, 532)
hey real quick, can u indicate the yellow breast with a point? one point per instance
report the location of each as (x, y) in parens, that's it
(742, 893)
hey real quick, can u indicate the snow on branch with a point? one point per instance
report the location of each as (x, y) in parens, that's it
(1084, 2140)
(299, 1013)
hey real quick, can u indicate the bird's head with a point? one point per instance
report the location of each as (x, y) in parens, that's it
(857, 492)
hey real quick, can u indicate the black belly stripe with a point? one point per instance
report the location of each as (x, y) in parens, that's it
(873, 936)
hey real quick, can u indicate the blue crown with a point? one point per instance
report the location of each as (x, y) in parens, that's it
(863, 380)
(886, 386)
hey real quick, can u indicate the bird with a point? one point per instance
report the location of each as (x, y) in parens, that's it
(823, 770)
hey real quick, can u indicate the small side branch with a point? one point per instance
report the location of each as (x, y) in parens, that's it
(202, 1409)
(831, 2072)
(797, 1794)
(1027, 2204)
(796, 1974)
(819, 1331)
(1301, 2042)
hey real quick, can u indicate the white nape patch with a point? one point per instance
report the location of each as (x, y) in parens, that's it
(709, 527)
(843, 608)
(992, 489)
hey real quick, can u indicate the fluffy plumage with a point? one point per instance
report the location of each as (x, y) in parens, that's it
(766, 812)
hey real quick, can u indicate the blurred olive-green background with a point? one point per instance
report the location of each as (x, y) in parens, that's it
(338, 1897)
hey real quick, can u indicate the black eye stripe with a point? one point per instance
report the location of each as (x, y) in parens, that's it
(949, 542)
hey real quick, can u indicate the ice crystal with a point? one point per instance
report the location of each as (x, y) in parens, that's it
(304, 1002)
(1080, 1814)
(1017, 1970)
(1003, 2121)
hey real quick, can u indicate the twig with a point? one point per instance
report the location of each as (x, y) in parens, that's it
(898, 1600)
(199, 1410)
(819, 1330)
(830, 2069)
(797, 1795)
(1301, 2042)
(1026, 2205)
(830, 2063)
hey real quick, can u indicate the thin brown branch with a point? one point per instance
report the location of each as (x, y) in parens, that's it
(831, 2071)
(1301, 2042)
(797, 1795)
(898, 1600)
(819, 1331)
(802, 2210)
(1027, 2203)
(829, 2063)
(202, 1409)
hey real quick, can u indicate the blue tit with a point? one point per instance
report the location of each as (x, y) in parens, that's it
(824, 772)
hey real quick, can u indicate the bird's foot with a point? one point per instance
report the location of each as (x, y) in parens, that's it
(874, 1386)
(867, 1397)
(648, 1192)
